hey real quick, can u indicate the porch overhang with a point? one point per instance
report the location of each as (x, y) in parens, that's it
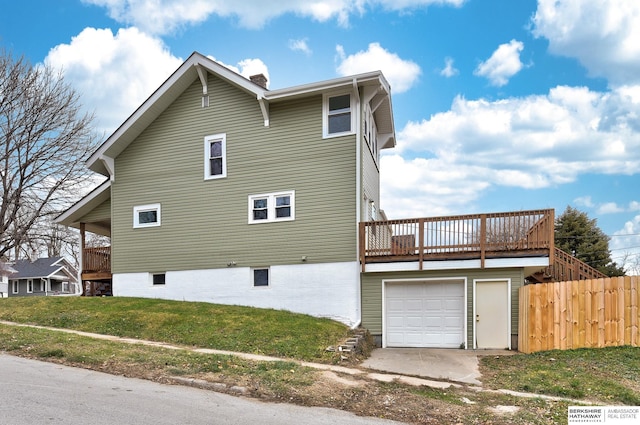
(73, 216)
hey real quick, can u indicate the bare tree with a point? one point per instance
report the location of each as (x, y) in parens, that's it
(44, 138)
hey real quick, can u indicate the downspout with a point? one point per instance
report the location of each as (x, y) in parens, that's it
(358, 197)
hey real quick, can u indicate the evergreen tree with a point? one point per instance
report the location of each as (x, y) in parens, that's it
(581, 237)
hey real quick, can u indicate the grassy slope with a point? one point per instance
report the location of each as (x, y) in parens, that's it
(261, 331)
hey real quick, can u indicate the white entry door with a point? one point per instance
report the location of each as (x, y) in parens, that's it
(492, 311)
(424, 314)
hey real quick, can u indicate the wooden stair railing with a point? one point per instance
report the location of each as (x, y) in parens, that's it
(566, 267)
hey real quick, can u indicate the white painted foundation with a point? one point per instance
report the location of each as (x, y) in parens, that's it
(323, 290)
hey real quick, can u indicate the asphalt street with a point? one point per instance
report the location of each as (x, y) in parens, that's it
(35, 392)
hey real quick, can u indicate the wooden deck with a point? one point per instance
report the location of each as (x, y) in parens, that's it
(96, 263)
(477, 236)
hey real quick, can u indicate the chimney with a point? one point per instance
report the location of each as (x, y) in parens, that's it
(260, 80)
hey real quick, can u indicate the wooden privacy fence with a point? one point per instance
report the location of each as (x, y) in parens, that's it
(579, 314)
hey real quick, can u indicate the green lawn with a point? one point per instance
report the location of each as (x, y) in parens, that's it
(605, 375)
(250, 330)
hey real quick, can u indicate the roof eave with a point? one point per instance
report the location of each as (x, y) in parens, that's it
(159, 100)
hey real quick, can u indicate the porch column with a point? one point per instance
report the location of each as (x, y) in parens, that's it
(82, 245)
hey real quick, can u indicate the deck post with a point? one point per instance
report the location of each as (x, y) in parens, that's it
(362, 245)
(551, 235)
(483, 238)
(421, 241)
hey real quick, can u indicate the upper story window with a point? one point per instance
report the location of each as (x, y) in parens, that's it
(371, 132)
(338, 115)
(215, 156)
(272, 207)
(146, 215)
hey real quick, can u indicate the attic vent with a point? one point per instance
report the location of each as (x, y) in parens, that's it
(260, 80)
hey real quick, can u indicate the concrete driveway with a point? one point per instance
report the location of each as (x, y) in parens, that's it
(448, 364)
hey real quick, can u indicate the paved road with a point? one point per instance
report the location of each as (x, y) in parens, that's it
(36, 393)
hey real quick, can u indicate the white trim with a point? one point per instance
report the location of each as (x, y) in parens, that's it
(326, 112)
(15, 286)
(146, 208)
(91, 200)
(475, 299)
(271, 207)
(496, 263)
(221, 137)
(29, 286)
(461, 279)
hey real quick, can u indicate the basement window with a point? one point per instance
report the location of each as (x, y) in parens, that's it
(159, 279)
(261, 277)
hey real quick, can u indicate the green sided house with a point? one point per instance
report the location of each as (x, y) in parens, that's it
(219, 190)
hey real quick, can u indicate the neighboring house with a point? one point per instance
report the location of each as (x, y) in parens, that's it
(42, 277)
(6, 271)
(220, 190)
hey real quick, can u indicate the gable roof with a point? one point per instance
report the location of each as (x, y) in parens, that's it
(43, 268)
(198, 66)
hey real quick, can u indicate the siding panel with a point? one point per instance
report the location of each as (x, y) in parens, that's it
(205, 222)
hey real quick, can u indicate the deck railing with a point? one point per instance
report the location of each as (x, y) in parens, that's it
(567, 267)
(458, 237)
(96, 259)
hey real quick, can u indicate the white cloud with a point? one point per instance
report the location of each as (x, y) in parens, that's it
(247, 68)
(602, 34)
(165, 16)
(609, 208)
(116, 73)
(503, 64)
(449, 70)
(531, 142)
(113, 73)
(424, 187)
(401, 74)
(584, 201)
(300, 45)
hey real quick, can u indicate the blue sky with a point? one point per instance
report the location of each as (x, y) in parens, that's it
(499, 105)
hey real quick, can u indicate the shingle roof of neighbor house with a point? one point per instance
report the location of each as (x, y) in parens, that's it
(42, 267)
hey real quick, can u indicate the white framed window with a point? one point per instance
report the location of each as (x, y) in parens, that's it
(260, 277)
(270, 207)
(146, 216)
(15, 287)
(29, 286)
(371, 132)
(215, 156)
(338, 116)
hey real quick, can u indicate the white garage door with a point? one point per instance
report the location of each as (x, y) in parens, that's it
(424, 314)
